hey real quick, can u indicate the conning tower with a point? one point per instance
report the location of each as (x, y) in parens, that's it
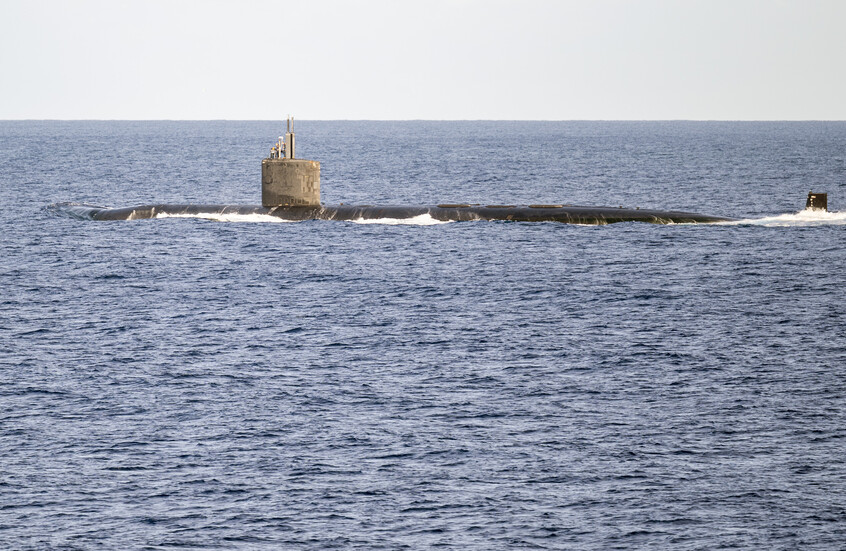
(287, 181)
(817, 201)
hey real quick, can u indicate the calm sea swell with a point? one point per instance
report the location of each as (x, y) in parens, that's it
(197, 384)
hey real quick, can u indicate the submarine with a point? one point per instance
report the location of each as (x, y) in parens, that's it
(290, 190)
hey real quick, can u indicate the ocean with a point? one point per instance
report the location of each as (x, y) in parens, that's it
(239, 383)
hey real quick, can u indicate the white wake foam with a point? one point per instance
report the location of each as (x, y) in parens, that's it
(226, 217)
(806, 217)
(419, 220)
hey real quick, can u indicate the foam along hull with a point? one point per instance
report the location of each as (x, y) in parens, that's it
(446, 213)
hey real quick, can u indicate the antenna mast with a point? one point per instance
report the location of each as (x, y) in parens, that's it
(289, 139)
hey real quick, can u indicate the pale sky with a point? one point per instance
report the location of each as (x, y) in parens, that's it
(424, 59)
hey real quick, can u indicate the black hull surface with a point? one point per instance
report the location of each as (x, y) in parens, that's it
(446, 213)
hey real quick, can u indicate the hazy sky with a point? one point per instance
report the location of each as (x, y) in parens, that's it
(423, 59)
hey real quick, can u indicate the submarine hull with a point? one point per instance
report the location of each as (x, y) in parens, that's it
(567, 214)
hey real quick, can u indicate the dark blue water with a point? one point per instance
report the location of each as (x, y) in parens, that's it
(186, 383)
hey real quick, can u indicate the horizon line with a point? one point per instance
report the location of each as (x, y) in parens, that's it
(415, 120)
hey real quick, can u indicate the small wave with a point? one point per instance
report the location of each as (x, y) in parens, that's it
(226, 217)
(77, 211)
(807, 217)
(419, 220)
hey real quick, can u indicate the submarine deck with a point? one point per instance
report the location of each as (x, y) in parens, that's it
(568, 214)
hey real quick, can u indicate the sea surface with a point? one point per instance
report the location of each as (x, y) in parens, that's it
(192, 383)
